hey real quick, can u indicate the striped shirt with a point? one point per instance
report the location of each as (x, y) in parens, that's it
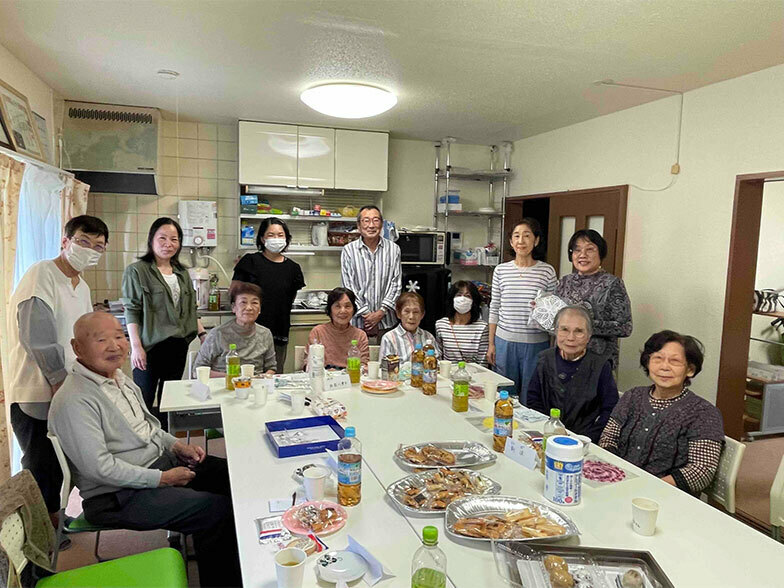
(374, 276)
(463, 342)
(400, 342)
(510, 305)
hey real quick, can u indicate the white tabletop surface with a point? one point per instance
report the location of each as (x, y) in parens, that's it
(695, 544)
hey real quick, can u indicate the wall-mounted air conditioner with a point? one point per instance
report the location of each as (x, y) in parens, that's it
(112, 148)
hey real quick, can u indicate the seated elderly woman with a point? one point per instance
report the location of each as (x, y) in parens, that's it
(254, 342)
(573, 378)
(665, 428)
(400, 341)
(337, 334)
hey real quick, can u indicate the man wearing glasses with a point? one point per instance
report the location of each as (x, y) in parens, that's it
(370, 267)
(46, 303)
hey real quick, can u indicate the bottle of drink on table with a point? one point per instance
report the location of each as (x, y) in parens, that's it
(553, 426)
(503, 417)
(428, 346)
(353, 362)
(213, 299)
(417, 365)
(429, 373)
(349, 469)
(232, 366)
(428, 568)
(461, 381)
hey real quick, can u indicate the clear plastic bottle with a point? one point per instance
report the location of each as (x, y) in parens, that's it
(553, 426)
(503, 421)
(417, 365)
(213, 299)
(232, 366)
(349, 469)
(461, 381)
(428, 568)
(428, 346)
(353, 362)
(429, 373)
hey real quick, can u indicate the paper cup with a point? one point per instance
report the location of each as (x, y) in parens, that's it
(445, 368)
(490, 386)
(315, 482)
(644, 513)
(203, 374)
(290, 567)
(246, 369)
(261, 389)
(372, 369)
(297, 401)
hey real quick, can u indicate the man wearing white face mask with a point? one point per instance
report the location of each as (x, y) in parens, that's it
(46, 303)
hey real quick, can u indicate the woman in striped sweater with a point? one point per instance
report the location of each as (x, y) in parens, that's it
(462, 334)
(514, 344)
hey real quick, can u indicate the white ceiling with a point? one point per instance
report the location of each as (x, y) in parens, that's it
(480, 70)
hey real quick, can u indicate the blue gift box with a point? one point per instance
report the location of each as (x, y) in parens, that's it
(304, 423)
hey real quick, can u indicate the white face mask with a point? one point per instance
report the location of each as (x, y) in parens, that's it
(275, 244)
(80, 257)
(463, 304)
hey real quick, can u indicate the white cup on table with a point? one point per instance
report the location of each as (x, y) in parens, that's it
(586, 443)
(246, 369)
(290, 567)
(445, 368)
(261, 388)
(644, 514)
(203, 374)
(315, 481)
(373, 368)
(297, 401)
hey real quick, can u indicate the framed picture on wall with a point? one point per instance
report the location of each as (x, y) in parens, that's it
(19, 119)
(5, 138)
(43, 136)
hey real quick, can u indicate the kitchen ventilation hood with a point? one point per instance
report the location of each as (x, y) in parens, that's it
(112, 148)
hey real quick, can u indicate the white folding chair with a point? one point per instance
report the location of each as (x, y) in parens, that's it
(374, 349)
(299, 358)
(777, 503)
(722, 489)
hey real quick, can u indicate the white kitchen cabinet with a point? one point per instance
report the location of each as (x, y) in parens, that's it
(316, 157)
(361, 160)
(267, 154)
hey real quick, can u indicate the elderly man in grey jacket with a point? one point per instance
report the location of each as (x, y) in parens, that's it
(132, 474)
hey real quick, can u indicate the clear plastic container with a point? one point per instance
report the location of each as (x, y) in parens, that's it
(428, 568)
(349, 469)
(353, 362)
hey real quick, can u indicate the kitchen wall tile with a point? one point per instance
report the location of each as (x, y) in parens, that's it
(108, 262)
(168, 185)
(208, 168)
(189, 168)
(188, 187)
(227, 170)
(208, 188)
(126, 202)
(126, 223)
(228, 189)
(101, 280)
(145, 222)
(169, 166)
(208, 150)
(123, 242)
(228, 207)
(187, 148)
(90, 204)
(146, 204)
(169, 128)
(113, 280)
(167, 205)
(126, 259)
(227, 226)
(227, 151)
(89, 278)
(170, 146)
(104, 203)
(227, 132)
(97, 295)
(110, 219)
(208, 132)
(188, 130)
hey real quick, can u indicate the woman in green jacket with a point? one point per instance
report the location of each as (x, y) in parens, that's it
(160, 311)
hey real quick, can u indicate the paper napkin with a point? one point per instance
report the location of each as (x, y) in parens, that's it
(376, 571)
(199, 391)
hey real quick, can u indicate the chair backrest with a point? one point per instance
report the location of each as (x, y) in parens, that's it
(374, 349)
(189, 366)
(777, 498)
(299, 358)
(722, 489)
(12, 536)
(65, 491)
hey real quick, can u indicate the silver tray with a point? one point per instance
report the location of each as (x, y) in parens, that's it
(468, 454)
(396, 490)
(475, 506)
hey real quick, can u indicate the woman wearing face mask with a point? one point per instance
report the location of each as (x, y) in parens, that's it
(462, 334)
(337, 334)
(160, 311)
(279, 279)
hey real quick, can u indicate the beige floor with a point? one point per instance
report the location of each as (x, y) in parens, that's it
(752, 492)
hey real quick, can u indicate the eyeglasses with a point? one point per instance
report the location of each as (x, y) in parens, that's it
(87, 244)
(586, 251)
(576, 333)
(365, 222)
(672, 361)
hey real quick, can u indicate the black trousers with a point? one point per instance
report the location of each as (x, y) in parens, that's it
(202, 508)
(38, 455)
(165, 361)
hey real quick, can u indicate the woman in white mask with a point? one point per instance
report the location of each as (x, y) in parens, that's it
(279, 279)
(462, 334)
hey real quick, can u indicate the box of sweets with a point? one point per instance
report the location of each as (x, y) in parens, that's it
(304, 436)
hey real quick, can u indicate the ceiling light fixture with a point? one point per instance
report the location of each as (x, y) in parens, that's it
(168, 74)
(348, 100)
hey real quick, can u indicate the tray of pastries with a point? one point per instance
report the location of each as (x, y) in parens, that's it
(438, 454)
(432, 491)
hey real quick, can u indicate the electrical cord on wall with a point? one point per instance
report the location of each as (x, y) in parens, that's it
(200, 256)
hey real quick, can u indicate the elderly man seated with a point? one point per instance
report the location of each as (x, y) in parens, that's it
(131, 473)
(573, 378)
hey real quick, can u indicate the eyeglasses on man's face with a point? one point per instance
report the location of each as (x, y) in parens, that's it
(83, 241)
(366, 222)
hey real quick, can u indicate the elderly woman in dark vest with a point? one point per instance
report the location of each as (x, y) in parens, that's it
(573, 378)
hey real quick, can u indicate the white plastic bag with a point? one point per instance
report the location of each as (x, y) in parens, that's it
(543, 314)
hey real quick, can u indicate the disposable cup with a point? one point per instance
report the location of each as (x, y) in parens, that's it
(260, 390)
(445, 368)
(586, 443)
(490, 386)
(246, 369)
(290, 567)
(315, 482)
(372, 369)
(297, 401)
(203, 374)
(644, 513)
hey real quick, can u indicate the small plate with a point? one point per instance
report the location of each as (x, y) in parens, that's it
(340, 567)
(297, 528)
(380, 386)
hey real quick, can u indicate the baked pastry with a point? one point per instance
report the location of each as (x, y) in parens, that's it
(554, 562)
(632, 579)
(561, 579)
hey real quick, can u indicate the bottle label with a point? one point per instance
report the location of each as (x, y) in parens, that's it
(353, 364)
(502, 427)
(349, 474)
(233, 369)
(429, 376)
(460, 389)
(416, 368)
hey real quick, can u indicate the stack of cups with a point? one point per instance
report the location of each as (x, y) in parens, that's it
(316, 368)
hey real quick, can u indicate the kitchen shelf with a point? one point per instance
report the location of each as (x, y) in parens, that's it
(470, 213)
(303, 217)
(305, 248)
(476, 175)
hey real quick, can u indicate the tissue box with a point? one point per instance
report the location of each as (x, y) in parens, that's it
(320, 432)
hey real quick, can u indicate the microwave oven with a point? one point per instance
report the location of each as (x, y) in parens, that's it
(424, 247)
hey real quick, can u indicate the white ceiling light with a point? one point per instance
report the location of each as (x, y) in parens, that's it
(347, 100)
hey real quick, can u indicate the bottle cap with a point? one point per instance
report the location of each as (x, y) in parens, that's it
(461, 364)
(430, 535)
(418, 346)
(232, 346)
(353, 341)
(504, 395)
(555, 413)
(431, 351)
(351, 432)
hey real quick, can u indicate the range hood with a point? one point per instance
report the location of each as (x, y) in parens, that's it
(112, 148)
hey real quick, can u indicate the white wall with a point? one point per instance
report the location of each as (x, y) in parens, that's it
(677, 240)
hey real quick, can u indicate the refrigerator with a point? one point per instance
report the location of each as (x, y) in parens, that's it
(432, 283)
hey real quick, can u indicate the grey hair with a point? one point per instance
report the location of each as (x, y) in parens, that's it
(581, 310)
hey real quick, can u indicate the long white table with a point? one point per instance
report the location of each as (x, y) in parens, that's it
(695, 544)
